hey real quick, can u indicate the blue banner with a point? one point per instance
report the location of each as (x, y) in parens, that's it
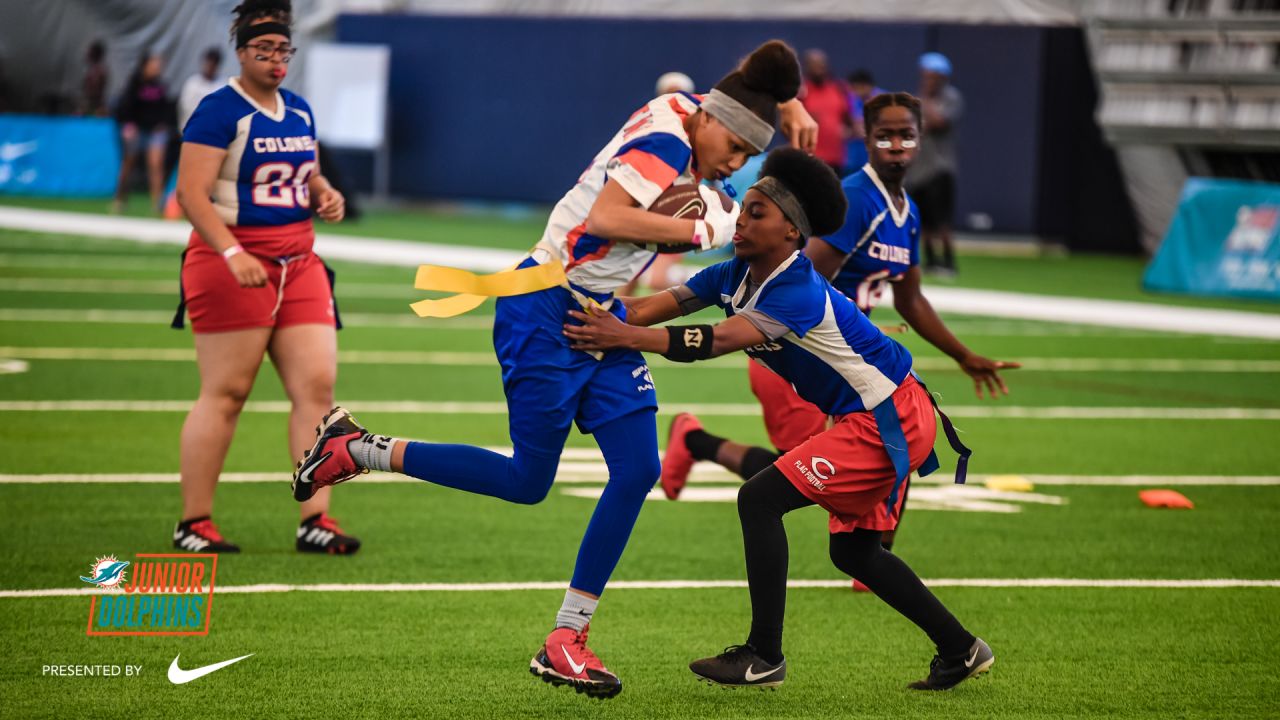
(58, 156)
(1224, 240)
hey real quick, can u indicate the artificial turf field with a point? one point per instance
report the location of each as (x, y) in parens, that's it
(89, 318)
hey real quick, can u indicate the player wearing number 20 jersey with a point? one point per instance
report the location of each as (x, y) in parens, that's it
(261, 194)
(270, 155)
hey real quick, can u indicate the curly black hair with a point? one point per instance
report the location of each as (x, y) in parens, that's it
(813, 183)
(251, 11)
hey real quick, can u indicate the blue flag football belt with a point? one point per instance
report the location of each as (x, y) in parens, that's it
(895, 444)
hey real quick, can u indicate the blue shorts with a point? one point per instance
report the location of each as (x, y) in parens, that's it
(547, 383)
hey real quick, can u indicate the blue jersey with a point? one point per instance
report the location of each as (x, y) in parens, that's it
(881, 242)
(817, 340)
(270, 155)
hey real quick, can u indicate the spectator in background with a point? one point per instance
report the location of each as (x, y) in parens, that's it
(93, 88)
(199, 85)
(673, 82)
(932, 181)
(862, 87)
(827, 100)
(145, 114)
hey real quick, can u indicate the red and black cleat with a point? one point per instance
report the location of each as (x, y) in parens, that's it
(566, 660)
(201, 535)
(328, 462)
(677, 461)
(321, 534)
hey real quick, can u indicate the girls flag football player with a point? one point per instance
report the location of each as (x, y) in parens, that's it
(592, 246)
(878, 243)
(248, 180)
(790, 318)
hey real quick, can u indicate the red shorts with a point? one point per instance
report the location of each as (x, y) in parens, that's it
(217, 303)
(847, 470)
(788, 418)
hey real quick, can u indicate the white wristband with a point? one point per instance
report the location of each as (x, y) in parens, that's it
(701, 237)
(232, 251)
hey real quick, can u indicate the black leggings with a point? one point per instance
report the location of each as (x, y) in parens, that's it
(762, 502)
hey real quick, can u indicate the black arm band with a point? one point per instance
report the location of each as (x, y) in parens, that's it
(689, 342)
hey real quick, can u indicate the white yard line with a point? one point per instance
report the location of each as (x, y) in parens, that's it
(161, 318)
(1076, 311)
(90, 261)
(708, 409)
(1095, 583)
(735, 363)
(170, 287)
(475, 321)
(585, 466)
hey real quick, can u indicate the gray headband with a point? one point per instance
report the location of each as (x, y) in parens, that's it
(741, 122)
(790, 206)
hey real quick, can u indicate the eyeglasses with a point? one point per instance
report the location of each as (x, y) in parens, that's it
(266, 51)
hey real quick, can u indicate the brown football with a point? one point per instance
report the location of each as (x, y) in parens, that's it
(684, 201)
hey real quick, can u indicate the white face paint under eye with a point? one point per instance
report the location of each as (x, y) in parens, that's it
(884, 144)
(908, 144)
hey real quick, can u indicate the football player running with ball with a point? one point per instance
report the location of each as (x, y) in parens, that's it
(598, 238)
(787, 316)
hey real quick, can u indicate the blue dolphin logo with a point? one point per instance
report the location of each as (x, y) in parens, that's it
(107, 574)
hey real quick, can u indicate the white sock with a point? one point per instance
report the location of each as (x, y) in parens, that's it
(372, 451)
(576, 611)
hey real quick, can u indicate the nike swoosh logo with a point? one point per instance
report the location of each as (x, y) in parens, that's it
(752, 677)
(178, 676)
(577, 668)
(309, 475)
(969, 663)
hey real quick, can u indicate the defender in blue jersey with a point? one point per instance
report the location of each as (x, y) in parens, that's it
(783, 313)
(248, 180)
(878, 244)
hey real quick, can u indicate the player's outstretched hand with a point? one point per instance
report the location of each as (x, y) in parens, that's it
(798, 125)
(600, 330)
(247, 269)
(332, 207)
(984, 373)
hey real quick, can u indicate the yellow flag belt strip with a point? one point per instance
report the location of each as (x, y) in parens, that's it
(473, 289)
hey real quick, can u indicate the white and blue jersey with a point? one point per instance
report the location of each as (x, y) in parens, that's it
(881, 242)
(270, 155)
(817, 339)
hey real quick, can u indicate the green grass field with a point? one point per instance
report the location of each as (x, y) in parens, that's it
(68, 304)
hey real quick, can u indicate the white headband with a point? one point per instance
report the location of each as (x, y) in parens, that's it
(741, 122)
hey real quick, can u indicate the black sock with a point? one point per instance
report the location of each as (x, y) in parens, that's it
(762, 502)
(185, 524)
(755, 460)
(860, 555)
(702, 444)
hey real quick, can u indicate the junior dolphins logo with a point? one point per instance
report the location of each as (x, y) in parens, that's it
(164, 594)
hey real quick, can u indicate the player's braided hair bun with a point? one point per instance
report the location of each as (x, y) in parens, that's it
(770, 75)
(813, 183)
(251, 11)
